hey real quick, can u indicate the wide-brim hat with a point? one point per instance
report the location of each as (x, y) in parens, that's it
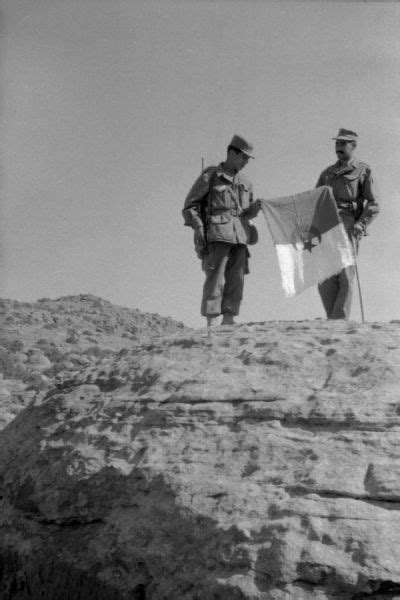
(243, 145)
(346, 135)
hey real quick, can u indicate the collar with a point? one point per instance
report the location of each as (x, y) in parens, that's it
(222, 173)
(339, 169)
(351, 164)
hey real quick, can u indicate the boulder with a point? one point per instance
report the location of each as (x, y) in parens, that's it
(39, 361)
(259, 463)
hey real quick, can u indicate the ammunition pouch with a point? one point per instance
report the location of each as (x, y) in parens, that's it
(253, 234)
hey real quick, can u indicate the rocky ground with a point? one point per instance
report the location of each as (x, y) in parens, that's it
(261, 462)
(51, 340)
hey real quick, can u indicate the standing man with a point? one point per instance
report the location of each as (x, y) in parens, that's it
(218, 208)
(356, 198)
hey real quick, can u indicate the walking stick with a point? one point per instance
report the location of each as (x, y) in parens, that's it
(358, 280)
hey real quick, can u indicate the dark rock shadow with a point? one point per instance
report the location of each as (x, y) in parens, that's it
(129, 540)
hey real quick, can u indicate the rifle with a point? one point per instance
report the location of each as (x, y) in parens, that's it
(200, 250)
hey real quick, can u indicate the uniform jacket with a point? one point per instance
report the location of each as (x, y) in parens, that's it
(230, 205)
(354, 190)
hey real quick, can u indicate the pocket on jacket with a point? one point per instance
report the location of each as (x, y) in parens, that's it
(219, 219)
(219, 198)
(220, 228)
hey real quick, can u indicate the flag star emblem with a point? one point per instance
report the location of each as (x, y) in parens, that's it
(308, 245)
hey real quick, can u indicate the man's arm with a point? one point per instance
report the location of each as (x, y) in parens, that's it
(254, 206)
(371, 200)
(320, 180)
(192, 208)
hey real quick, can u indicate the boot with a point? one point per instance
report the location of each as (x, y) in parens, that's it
(212, 321)
(228, 319)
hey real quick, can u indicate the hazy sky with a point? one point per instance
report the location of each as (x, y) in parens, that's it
(109, 105)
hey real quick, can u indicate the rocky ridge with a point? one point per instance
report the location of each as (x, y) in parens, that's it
(260, 462)
(49, 340)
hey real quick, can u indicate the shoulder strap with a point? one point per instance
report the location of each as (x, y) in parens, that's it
(212, 171)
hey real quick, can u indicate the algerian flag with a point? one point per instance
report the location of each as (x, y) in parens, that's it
(310, 239)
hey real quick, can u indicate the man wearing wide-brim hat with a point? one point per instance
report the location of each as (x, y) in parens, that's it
(356, 197)
(218, 208)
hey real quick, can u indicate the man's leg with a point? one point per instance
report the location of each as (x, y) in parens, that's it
(214, 265)
(234, 280)
(328, 291)
(342, 306)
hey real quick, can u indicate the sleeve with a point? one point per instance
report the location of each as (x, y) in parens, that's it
(321, 180)
(371, 199)
(252, 211)
(192, 208)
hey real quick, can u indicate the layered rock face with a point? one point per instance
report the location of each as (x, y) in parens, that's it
(259, 463)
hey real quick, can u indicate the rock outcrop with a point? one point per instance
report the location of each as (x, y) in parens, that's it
(261, 463)
(49, 340)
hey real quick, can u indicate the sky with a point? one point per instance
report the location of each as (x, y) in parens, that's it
(108, 106)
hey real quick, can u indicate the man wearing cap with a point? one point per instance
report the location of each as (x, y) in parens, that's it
(355, 193)
(223, 234)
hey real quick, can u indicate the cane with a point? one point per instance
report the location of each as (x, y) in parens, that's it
(358, 279)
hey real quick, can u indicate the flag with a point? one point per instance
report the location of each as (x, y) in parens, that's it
(309, 237)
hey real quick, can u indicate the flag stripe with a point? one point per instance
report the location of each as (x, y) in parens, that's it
(310, 239)
(291, 216)
(301, 269)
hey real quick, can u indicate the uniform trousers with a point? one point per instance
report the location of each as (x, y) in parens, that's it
(225, 266)
(336, 292)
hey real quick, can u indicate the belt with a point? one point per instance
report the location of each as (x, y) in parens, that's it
(232, 211)
(350, 205)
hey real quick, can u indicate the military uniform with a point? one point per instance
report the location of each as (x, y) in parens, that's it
(356, 197)
(230, 205)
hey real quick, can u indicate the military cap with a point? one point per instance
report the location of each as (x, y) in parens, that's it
(346, 135)
(243, 145)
